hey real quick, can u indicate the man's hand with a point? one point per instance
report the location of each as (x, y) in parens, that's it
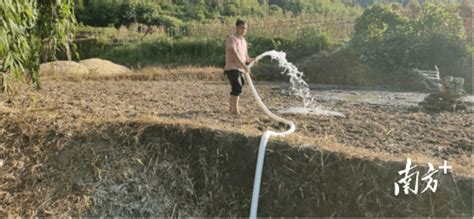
(247, 70)
(256, 62)
(250, 60)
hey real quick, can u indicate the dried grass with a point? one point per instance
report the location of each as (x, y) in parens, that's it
(189, 73)
(94, 66)
(28, 184)
(152, 166)
(162, 167)
(63, 67)
(104, 67)
(47, 170)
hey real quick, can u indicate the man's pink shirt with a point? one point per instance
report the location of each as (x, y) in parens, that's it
(240, 44)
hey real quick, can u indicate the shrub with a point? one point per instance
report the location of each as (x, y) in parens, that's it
(260, 44)
(340, 67)
(96, 13)
(126, 15)
(161, 50)
(275, 10)
(395, 44)
(310, 41)
(374, 30)
(231, 9)
(169, 21)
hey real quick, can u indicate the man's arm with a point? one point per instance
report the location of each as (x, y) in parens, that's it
(249, 60)
(242, 64)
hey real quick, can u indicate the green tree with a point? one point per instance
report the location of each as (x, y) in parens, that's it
(198, 11)
(125, 15)
(374, 29)
(394, 43)
(146, 13)
(438, 39)
(32, 32)
(231, 9)
(275, 10)
(97, 12)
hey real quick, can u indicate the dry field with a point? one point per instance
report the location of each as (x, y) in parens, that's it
(379, 125)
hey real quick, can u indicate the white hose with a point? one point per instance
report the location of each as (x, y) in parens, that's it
(263, 143)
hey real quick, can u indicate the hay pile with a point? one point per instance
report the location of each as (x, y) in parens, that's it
(104, 67)
(63, 67)
(92, 66)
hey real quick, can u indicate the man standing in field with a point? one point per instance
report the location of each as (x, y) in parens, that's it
(236, 57)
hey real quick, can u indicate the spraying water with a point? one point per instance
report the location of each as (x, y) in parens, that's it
(298, 86)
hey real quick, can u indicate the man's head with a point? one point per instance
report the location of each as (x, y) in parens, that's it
(240, 27)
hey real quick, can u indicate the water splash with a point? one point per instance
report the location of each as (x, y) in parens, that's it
(316, 110)
(299, 87)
